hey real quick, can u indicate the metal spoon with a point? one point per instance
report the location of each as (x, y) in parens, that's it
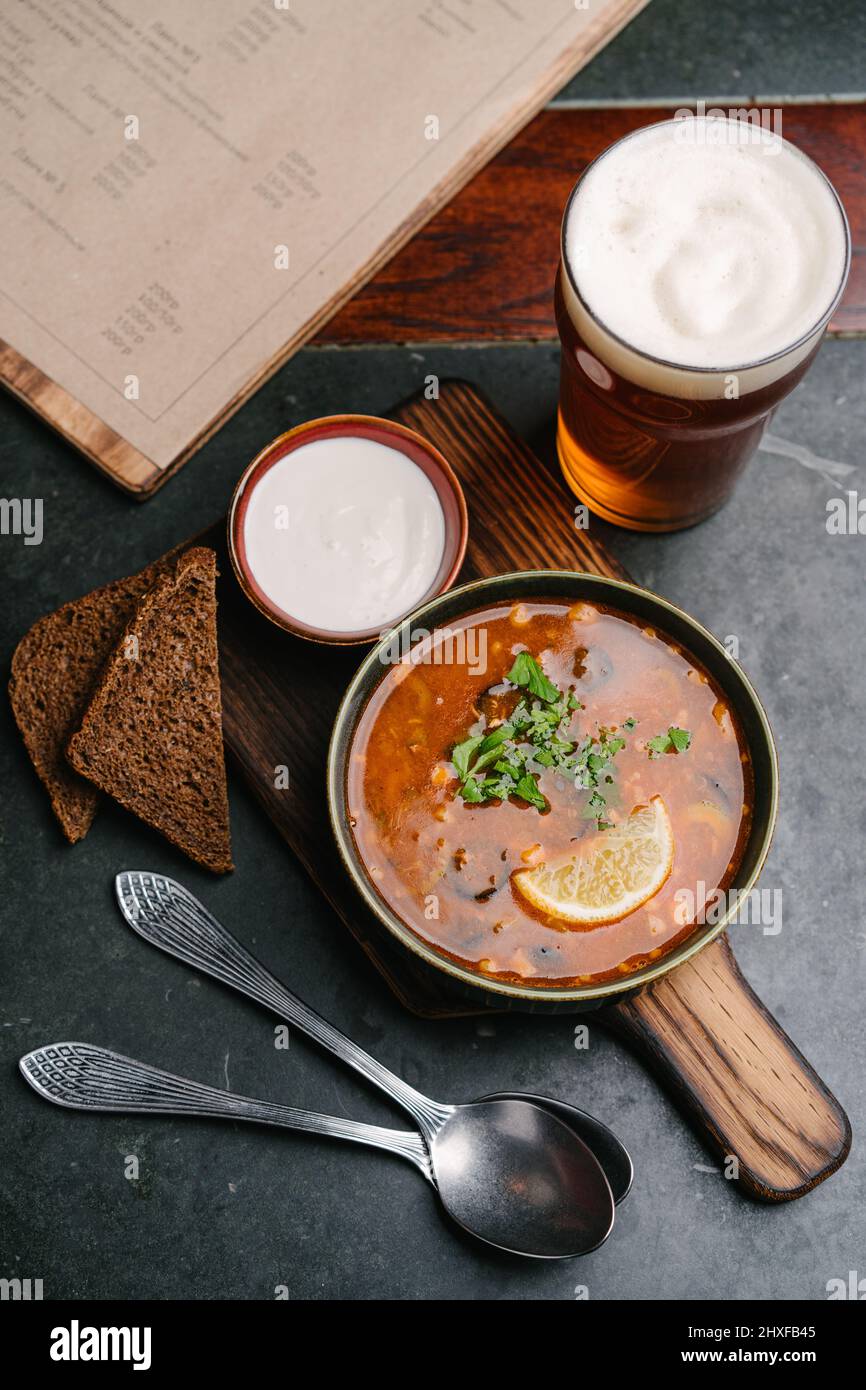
(612, 1155)
(508, 1171)
(82, 1077)
(471, 1177)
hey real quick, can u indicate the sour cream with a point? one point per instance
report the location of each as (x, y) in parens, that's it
(344, 533)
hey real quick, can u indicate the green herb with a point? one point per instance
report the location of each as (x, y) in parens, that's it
(527, 788)
(630, 723)
(534, 737)
(462, 754)
(674, 741)
(490, 747)
(526, 672)
(471, 791)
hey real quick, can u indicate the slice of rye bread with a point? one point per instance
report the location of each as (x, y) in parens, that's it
(151, 736)
(55, 668)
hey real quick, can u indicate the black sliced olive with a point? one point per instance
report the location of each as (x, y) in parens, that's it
(498, 702)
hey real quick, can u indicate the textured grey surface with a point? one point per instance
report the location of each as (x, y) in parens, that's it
(223, 1211)
(699, 48)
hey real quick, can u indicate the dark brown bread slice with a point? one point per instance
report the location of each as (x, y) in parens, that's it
(152, 734)
(55, 668)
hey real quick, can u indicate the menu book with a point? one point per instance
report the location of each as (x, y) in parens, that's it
(188, 192)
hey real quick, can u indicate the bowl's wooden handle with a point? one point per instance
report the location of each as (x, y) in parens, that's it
(737, 1075)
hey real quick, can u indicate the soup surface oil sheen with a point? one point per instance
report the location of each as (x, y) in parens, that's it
(448, 867)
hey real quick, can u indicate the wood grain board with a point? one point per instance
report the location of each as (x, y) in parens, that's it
(729, 1065)
(734, 1072)
(483, 268)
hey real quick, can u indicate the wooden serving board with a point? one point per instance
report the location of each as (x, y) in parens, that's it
(730, 1066)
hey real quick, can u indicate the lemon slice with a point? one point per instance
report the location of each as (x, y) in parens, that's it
(618, 871)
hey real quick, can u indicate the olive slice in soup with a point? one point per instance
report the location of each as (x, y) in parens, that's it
(587, 753)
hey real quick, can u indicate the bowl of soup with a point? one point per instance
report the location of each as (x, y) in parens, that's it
(552, 787)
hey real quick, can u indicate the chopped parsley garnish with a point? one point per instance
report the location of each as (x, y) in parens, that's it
(674, 741)
(463, 753)
(506, 762)
(527, 788)
(527, 672)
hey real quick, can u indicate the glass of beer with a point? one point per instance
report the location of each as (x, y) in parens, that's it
(702, 259)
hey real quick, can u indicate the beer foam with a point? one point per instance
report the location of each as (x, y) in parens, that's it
(706, 243)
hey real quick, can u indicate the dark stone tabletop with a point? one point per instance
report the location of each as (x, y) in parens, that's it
(227, 1211)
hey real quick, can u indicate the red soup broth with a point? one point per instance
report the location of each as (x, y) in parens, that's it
(446, 866)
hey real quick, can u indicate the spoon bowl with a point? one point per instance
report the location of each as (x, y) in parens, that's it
(612, 1155)
(515, 1176)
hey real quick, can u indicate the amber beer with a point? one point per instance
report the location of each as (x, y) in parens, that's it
(701, 262)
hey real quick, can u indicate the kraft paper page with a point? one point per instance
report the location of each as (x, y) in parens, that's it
(188, 191)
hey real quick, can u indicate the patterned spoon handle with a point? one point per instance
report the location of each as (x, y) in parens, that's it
(83, 1077)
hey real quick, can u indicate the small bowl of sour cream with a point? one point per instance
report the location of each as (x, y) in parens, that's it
(342, 526)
